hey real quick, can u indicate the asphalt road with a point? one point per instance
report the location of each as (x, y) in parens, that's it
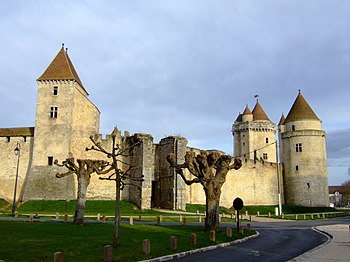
(277, 242)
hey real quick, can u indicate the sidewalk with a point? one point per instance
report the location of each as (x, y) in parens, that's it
(336, 249)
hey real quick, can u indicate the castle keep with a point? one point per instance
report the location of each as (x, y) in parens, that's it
(66, 118)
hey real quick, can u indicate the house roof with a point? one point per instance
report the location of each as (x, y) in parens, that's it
(301, 110)
(340, 189)
(259, 113)
(61, 68)
(17, 131)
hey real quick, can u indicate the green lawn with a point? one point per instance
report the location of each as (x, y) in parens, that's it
(24, 241)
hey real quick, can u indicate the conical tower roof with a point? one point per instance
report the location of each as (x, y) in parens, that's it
(282, 120)
(246, 111)
(61, 68)
(259, 113)
(301, 111)
(239, 118)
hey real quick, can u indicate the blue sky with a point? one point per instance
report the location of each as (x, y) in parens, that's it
(185, 67)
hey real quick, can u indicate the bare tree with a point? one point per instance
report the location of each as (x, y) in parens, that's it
(83, 171)
(120, 176)
(210, 170)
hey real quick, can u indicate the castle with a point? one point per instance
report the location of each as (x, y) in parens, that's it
(66, 118)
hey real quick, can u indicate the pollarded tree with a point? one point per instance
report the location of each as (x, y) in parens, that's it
(83, 170)
(210, 170)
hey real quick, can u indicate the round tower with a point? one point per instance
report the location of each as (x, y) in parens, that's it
(303, 155)
(254, 135)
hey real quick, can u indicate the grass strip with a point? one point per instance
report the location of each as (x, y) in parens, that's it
(24, 241)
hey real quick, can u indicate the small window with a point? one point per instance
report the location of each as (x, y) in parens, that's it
(293, 127)
(25, 139)
(55, 90)
(8, 139)
(308, 185)
(54, 112)
(298, 147)
(244, 143)
(267, 140)
(296, 168)
(50, 160)
(265, 156)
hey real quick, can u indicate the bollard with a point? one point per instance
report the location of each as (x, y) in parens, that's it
(197, 212)
(108, 253)
(16, 213)
(193, 239)
(161, 218)
(276, 211)
(318, 216)
(57, 215)
(248, 228)
(296, 217)
(258, 213)
(173, 243)
(231, 216)
(104, 219)
(146, 247)
(140, 218)
(184, 221)
(65, 218)
(312, 216)
(58, 257)
(200, 219)
(282, 215)
(246, 213)
(180, 218)
(269, 214)
(212, 235)
(229, 232)
(131, 220)
(241, 229)
(31, 218)
(158, 221)
(323, 216)
(98, 217)
(304, 216)
(219, 219)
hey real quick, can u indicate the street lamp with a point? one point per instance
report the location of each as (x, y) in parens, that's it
(17, 152)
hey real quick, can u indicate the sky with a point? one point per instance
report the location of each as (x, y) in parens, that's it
(185, 67)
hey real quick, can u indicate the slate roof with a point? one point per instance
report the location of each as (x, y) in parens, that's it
(61, 68)
(300, 111)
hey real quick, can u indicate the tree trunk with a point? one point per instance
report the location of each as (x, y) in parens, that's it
(80, 208)
(116, 241)
(212, 196)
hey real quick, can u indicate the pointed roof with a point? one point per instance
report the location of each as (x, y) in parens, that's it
(301, 111)
(282, 120)
(259, 113)
(239, 118)
(246, 111)
(61, 68)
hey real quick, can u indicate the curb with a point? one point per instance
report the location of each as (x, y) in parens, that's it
(308, 253)
(200, 250)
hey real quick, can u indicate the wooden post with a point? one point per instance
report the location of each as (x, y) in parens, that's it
(146, 247)
(158, 221)
(304, 216)
(193, 239)
(180, 218)
(229, 232)
(58, 257)
(103, 219)
(241, 229)
(108, 253)
(212, 235)
(173, 243)
(131, 220)
(184, 221)
(31, 218)
(65, 218)
(248, 227)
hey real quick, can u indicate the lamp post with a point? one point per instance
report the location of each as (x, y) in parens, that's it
(17, 152)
